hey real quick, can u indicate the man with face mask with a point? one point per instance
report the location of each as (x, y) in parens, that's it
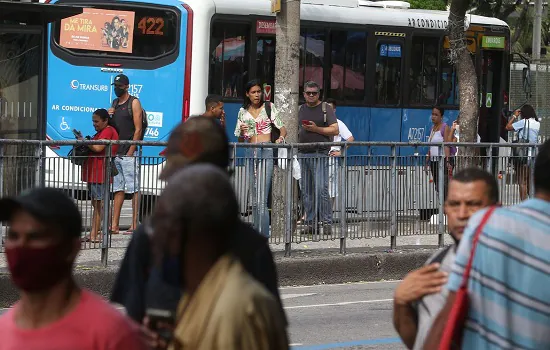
(130, 127)
(421, 295)
(195, 224)
(199, 140)
(43, 240)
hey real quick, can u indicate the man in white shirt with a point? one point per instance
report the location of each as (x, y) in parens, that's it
(335, 153)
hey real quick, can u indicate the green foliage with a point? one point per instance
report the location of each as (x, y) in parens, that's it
(429, 4)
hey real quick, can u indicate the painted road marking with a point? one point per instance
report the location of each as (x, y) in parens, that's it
(341, 284)
(379, 341)
(339, 304)
(290, 296)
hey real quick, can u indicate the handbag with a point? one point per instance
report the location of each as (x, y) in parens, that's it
(522, 153)
(78, 154)
(453, 331)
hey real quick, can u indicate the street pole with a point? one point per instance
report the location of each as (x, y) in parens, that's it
(287, 68)
(537, 29)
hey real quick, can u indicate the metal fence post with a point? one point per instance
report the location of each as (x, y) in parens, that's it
(289, 202)
(393, 196)
(343, 189)
(490, 161)
(1, 169)
(531, 166)
(38, 164)
(106, 205)
(441, 196)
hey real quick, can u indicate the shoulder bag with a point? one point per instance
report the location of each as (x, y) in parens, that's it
(454, 329)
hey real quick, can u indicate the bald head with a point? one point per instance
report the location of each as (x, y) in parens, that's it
(198, 200)
(198, 140)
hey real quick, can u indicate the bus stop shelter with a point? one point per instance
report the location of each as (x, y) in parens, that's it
(23, 77)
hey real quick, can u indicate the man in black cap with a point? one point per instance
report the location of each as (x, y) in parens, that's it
(127, 113)
(42, 243)
(199, 140)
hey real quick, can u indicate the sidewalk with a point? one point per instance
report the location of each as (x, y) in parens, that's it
(310, 263)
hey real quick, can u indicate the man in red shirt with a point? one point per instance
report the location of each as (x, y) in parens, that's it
(53, 313)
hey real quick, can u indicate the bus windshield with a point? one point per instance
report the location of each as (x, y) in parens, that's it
(122, 31)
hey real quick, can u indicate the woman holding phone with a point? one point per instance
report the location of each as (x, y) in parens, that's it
(93, 169)
(255, 123)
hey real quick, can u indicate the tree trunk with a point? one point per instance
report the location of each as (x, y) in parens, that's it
(286, 100)
(467, 80)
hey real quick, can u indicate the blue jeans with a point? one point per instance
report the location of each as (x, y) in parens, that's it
(260, 173)
(314, 186)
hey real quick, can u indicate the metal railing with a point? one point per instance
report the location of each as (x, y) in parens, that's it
(373, 190)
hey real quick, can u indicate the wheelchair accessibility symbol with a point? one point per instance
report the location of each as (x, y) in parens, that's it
(64, 126)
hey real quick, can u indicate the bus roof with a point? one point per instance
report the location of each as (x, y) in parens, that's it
(347, 14)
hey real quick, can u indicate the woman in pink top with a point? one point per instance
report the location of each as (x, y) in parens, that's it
(255, 123)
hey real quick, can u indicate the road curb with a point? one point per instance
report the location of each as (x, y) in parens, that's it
(298, 270)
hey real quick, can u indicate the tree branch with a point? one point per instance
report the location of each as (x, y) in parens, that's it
(509, 9)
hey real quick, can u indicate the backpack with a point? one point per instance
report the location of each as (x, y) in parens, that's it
(144, 122)
(275, 132)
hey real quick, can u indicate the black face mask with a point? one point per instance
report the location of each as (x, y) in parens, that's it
(119, 91)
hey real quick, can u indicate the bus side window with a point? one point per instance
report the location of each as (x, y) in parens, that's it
(423, 74)
(312, 56)
(347, 75)
(448, 91)
(229, 59)
(388, 74)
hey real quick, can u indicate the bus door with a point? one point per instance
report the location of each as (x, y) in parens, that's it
(265, 64)
(492, 85)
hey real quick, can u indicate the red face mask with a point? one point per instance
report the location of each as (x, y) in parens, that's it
(38, 269)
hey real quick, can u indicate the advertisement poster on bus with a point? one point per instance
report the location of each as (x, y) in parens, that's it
(98, 30)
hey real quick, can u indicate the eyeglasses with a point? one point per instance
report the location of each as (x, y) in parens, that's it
(312, 93)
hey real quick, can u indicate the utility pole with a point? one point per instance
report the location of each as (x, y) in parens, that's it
(287, 68)
(537, 29)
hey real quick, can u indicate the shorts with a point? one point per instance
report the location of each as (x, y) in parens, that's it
(96, 191)
(127, 179)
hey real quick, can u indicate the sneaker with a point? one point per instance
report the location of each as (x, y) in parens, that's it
(309, 230)
(327, 229)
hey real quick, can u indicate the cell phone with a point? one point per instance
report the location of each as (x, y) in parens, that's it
(162, 322)
(306, 122)
(77, 133)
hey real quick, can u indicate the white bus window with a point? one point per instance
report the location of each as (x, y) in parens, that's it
(347, 75)
(126, 32)
(388, 74)
(423, 73)
(229, 59)
(312, 56)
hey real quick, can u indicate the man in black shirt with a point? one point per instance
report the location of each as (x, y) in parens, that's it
(318, 124)
(129, 127)
(139, 285)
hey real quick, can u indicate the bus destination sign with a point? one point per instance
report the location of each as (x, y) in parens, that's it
(494, 42)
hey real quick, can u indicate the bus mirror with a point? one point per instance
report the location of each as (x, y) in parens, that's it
(526, 80)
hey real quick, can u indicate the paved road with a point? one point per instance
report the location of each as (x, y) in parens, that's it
(350, 316)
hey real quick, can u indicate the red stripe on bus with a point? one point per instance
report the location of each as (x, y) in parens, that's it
(188, 60)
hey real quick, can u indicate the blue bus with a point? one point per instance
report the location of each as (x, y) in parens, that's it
(385, 64)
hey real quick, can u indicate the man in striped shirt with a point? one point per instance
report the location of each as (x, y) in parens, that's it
(509, 285)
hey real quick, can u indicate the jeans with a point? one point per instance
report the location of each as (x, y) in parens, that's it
(314, 186)
(260, 173)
